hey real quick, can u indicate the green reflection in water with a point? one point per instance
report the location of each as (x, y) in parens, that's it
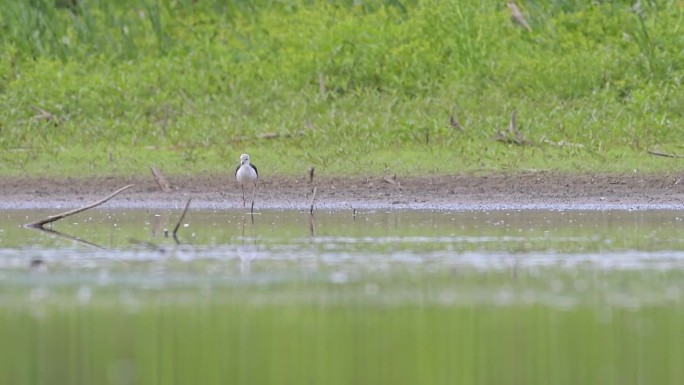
(384, 298)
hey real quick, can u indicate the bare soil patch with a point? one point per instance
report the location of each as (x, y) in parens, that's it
(464, 191)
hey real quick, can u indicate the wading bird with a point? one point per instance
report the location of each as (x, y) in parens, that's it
(246, 173)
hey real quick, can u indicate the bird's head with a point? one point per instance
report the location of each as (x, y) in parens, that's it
(244, 159)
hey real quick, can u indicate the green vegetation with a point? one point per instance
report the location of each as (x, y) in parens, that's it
(99, 87)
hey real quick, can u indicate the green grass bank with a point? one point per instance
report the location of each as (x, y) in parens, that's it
(96, 87)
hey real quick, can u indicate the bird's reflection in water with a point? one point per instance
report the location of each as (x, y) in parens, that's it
(246, 252)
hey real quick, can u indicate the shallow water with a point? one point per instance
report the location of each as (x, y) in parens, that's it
(504, 296)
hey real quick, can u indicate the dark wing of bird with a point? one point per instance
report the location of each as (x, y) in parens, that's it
(255, 169)
(237, 168)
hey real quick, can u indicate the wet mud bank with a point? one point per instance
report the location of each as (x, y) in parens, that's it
(529, 190)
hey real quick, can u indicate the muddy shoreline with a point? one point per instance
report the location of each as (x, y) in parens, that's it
(528, 190)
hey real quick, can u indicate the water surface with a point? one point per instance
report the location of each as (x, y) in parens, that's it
(430, 297)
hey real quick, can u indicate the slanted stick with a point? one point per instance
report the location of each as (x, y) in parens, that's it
(42, 222)
(163, 184)
(180, 220)
(313, 201)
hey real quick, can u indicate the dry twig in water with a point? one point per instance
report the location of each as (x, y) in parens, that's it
(42, 222)
(180, 220)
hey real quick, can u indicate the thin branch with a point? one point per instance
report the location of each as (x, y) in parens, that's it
(271, 135)
(313, 201)
(160, 179)
(43, 114)
(392, 180)
(658, 153)
(454, 123)
(513, 134)
(312, 169)
(321, 85)
(42, 222)
(180, 220)
(512, 125)
(517, 16)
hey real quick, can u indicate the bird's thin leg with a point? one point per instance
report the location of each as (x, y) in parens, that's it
(243, 196)
(253, 194)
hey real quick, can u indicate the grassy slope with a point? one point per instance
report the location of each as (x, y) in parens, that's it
(189, 87)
